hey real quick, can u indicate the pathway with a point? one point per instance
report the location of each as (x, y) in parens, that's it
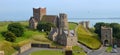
(105, 53)
(97, 52)
(92, 52)
(84, 48)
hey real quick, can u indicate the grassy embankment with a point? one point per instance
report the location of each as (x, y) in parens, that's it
(87, 38)
(29, 36)
(34, 36)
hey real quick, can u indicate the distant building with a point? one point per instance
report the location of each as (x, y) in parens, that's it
(61, 34)
(106, 36)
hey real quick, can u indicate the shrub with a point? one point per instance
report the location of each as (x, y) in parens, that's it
(16, 28)
(9, 36)
(44, 26)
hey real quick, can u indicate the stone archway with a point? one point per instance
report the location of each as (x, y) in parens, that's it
(106, 43)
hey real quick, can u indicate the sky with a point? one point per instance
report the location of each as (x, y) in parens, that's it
(15, 10)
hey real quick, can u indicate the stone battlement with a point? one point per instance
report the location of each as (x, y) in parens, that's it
(85, 24)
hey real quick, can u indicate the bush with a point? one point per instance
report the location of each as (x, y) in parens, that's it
(16, 28)
(9, 36)
(44, 26)
(114, 26)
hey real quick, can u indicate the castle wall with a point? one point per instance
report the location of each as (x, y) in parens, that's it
(53, 34)
(33, 24)
(85, 24)
(71, 41)
(25, 48)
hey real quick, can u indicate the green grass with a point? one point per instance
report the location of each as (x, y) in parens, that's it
(78, 51)
(72, 25)
(47, 52)
(77, 48)
(54, 52)
(6, 47)
(109, 49)
(28, 36)
(87, 38)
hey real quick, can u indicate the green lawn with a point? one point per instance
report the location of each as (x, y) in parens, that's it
(87, 38)
(78, 51)
(48, 52)
(72, 25)
(54, 52)
(109, 49)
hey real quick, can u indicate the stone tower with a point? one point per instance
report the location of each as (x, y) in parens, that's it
(38, 13)
(63, 21)
(106, 36)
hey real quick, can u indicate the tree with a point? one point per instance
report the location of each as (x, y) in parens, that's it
(114, 26)
(116, 30)
(16, 28)
(9, 36)
(44, 26)
(98, 28)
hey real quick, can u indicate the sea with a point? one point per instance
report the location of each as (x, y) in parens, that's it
(93, 21)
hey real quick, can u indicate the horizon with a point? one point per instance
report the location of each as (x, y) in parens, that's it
(22, 10)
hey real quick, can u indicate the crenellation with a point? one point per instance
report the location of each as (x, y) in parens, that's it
(85, 24)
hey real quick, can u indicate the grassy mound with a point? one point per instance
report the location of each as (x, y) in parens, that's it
(87, 38)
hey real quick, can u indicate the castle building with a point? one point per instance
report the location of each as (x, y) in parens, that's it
(39, 14)
(106, 36)
(61, 34)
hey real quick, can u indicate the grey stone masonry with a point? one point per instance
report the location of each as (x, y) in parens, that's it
(106, 36)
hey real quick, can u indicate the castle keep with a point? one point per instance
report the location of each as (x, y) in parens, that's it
(61, 34)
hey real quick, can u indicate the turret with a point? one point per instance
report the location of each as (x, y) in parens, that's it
(63, 21)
